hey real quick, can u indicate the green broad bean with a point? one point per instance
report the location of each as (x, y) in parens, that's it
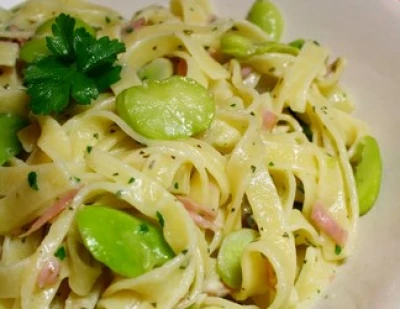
(159, 68)
(167, 109)
(127, 245)
(45, 29)
(9, 144)
(230, 255)
(34, 49)
(368, 173)
(266, 15)
(239, 46)
(37, 46)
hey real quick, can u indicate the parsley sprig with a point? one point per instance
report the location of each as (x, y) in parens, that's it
(80, 67)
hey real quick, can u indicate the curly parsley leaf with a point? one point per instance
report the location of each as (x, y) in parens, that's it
(80, 67)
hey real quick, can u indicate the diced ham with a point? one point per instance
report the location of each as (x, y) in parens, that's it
(139, 23)
(203, 223)
(246, 71)
(135, 25)
(328, 224)
(201, 215)
(180, 66)
(212, 18)
(18, 35)
(52, 212)
(269, 119)
(202, 210)
(48, 275)
(271, 276)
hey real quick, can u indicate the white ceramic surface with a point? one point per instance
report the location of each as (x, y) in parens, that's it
(367, 33)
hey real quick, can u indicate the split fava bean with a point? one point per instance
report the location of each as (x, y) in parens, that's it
(266, 15)
(230, 255)
(159, 68)
(128, 245)
(368, 173)
(167, 109)
(37, 46)
(9, 143)
(239, 46)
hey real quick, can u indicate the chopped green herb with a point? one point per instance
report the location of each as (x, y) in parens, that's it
(32, 180)
(188, 32)
(233, 105)
(61, 254)
(115, 174)
(286, 235)
(160, 218)
(96, 135)
(119, 193)
(78, 68)
(300, 187)
(253, 168)
(176, 186)
(77, 179)
(185, 251)
(271, 164)
(338, 249)
(108, 20)
(131, 180)
(143, 228)
(306, 127)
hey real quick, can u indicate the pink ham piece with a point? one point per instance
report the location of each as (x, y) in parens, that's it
(246, 71)
(52, 212)
(135, 25)
(269, 120)
(201, 215)
(212, 18)
(181, 67)
(48, 275)
(328, 224)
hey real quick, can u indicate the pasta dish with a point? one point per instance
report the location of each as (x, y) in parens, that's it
(175, 159)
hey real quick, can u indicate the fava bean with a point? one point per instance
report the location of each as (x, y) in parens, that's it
(266, 15)
(171, 108)
(45, 29)
(9, 144)
(368, 173)
(34, 49)
(230, 255)
(239, 46)
(159, 68)
(126, 244)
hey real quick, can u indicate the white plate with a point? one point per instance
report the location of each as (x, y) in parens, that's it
(367, 33)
